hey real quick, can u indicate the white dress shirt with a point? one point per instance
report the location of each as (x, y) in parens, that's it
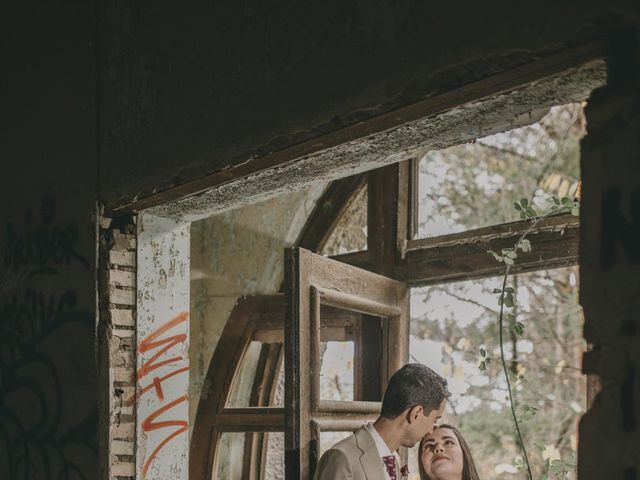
(383, 450)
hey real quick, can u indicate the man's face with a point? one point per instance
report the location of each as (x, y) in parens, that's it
(421, 424)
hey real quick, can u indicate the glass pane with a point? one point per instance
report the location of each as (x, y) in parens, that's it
(476, 184)
(450, 323)
(336, 370)
(241, 388)
(231, 456)
(246, 387)
(329, 439)
(234, 453)
(350, 234)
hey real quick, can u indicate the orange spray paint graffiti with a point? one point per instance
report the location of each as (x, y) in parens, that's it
(159, 344)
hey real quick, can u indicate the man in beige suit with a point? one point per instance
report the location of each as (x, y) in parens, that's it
(413, 402)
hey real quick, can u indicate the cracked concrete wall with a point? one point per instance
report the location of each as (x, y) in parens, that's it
(235, 254)
(247, 79)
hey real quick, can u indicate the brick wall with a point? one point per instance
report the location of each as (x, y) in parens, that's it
(116, 350)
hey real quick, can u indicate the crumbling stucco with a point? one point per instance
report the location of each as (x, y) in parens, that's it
(410, 140)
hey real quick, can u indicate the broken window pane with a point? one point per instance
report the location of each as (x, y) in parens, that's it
(476, 184)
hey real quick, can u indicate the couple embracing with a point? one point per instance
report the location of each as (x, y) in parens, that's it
(413, 402)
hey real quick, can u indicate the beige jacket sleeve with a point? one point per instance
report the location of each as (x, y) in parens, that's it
(334, 465)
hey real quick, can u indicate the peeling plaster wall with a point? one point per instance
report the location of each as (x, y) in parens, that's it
(235, 254)
(251, 78)
(162, 327)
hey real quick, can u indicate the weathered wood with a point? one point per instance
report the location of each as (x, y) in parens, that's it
(470, 259)
(254, 419)
(359, 304)
(405, 208)
(355, 407)
(382, 212)
(503, 230)
(328, 211)
(312, 280)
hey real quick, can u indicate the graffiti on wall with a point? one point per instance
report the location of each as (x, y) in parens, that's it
(42, 435)
(163, 357)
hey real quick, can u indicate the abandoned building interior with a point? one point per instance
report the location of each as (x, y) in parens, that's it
(226, 226)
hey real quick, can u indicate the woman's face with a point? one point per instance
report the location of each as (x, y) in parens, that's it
(442, 455)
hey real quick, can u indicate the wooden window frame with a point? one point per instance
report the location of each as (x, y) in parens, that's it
(392, 251)
(314, 280)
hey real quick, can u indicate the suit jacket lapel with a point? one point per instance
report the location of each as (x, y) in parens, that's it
(370, 458)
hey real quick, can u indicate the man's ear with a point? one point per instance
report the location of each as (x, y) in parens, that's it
(414, 413)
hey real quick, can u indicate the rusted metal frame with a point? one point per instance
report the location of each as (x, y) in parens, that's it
(502, 82)
(469, 259)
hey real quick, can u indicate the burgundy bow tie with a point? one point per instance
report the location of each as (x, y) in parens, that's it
(390, 463)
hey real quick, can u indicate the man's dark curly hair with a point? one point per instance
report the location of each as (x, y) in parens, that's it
(414, 384)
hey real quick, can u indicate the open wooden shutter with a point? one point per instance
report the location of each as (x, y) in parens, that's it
(315, 285)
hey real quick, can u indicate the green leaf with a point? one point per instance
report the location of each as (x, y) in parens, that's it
(483, 352)
(497, 290)
(518, 327)
(508, 301)
(508, 261)
(575, 210)
(524, 202)
(511, 254)
(525, 245)
(482, 366)
(509, 290)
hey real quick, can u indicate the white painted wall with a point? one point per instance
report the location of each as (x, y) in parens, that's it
(162, 413)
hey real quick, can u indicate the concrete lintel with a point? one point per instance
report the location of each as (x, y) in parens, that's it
(409, 140)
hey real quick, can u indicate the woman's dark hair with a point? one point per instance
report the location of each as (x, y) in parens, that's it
(469, 471)
(414, 384)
